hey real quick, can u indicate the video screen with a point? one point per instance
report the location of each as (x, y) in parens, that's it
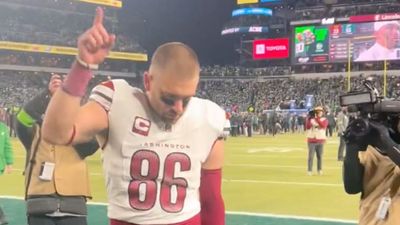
(362, 42)
(376, 41)
(311, 44)
(252, 11)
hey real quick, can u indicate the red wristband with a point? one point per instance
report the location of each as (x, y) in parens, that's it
(77, 80)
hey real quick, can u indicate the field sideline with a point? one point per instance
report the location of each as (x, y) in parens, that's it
(262, 174)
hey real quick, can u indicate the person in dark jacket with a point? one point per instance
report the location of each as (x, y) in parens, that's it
(331, 124)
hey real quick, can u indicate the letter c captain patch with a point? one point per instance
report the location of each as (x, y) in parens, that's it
(141, 126)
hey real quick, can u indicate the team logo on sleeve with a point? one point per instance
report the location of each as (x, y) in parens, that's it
(141, 126)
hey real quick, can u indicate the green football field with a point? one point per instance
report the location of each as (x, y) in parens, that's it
(264, 182)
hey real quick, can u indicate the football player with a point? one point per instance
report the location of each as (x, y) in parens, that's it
(163, 151)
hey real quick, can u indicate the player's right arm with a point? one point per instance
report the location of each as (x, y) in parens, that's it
(65, 120)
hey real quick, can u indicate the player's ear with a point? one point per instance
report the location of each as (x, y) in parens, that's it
(146, 81)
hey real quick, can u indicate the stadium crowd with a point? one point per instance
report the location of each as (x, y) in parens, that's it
(223, 71)
(53, 27)
(58, 61)
(71, 6)
(236, 96)
(305, 10)
(17, 87)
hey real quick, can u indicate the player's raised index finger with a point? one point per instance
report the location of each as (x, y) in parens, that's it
(55, 76)
(98, 18)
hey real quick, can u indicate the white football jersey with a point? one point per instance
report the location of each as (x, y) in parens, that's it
(153, 170)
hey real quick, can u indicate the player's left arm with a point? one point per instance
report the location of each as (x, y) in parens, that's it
(212, 204)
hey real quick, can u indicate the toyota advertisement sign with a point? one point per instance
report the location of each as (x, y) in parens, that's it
(271, 48)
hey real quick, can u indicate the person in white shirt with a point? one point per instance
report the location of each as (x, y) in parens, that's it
(387, 35)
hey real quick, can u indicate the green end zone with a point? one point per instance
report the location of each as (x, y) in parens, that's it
(15, 212)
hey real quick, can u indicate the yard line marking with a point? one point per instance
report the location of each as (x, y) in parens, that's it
(11, 197)
(275, 149)
(274, 156)
(283, 182)
(291, 217)
(277, 166)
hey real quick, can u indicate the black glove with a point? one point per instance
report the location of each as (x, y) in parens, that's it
(355, 141)
(374, 134)
(379, 137)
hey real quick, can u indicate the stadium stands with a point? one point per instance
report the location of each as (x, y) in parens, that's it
(306, 10)
(52, 27)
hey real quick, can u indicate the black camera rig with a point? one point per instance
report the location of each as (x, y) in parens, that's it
(370, 106)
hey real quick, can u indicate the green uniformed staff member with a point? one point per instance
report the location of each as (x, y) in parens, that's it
(6, 159)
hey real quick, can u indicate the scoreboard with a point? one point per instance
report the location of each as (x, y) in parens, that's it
(341, 42)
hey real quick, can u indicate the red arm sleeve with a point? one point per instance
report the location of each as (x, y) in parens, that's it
(212, 204)
(308, 123)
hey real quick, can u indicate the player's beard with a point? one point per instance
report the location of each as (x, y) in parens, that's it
(171, 117)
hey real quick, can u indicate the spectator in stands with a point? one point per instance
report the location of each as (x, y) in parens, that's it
(387, 34)
(6, 159)
(316, 125)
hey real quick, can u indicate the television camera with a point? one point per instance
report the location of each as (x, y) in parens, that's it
(369, 105)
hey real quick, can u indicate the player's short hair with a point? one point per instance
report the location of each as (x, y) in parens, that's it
(174, 52)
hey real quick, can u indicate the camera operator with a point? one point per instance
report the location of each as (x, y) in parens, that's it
(373, 155)
(371, 168)
(316, 125)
